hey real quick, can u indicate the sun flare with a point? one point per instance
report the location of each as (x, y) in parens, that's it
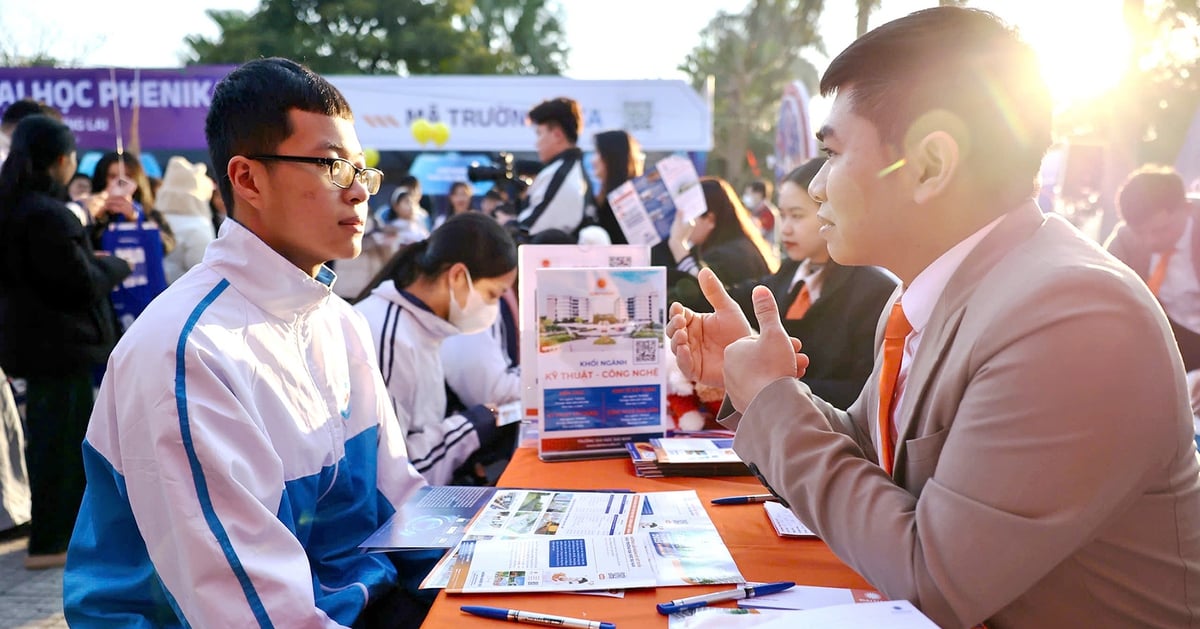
(1083, 45)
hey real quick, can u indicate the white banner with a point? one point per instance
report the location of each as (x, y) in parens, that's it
(488, 113)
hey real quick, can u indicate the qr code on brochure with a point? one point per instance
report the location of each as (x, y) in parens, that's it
(645, 351)
(620, 261)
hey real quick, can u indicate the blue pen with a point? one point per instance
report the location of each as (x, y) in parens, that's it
(744, 500)
(749, 591)
(534, 618)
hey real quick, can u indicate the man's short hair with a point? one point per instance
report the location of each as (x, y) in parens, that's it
(250, 107)
(1148, 191)
(959, 70)
(410, 182)
(561, 112)
(762, 187)
(27, 107)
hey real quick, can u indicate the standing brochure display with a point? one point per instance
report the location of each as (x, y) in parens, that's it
(600, 343)
(534, 257)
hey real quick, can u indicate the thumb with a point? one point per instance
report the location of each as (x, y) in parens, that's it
(714, 291)
(767, 312)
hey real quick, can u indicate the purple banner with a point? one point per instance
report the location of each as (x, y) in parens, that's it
(171, 103)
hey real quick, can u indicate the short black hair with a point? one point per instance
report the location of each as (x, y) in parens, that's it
(27, 107)
(409, 181)
(561, 112)
(962, 71)
(250, 109)
(763, 187)
(1148, 191)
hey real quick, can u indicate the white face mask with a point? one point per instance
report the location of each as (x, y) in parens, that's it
(477, 316)
(749, 201)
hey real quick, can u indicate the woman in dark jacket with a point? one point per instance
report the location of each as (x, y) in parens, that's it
(618, 158)
(56, 322)
(724, 239)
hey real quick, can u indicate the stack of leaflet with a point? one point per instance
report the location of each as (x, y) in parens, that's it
(686, 456)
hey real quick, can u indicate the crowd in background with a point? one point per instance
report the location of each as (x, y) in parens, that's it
(84, 254)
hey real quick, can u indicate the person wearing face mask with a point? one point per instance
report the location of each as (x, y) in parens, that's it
(450, 283)
(757, 198)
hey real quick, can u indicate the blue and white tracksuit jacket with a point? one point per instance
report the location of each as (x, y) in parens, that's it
(409, 336)
(242, 446)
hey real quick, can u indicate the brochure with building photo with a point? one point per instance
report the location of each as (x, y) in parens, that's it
(645, 206)
(600, 343)
(530, 258)
(540, 564)
(543, 540)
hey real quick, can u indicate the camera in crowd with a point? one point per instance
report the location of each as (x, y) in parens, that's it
(511, 177)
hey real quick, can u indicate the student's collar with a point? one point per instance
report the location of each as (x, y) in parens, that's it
(263, 276)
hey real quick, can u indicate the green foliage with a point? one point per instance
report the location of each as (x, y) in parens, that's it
(752, 55)
(393, 36)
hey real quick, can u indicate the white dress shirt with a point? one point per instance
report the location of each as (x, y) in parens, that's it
(811, 274)
(920, 297)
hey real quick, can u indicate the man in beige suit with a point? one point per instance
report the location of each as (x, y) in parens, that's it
(1041, 469)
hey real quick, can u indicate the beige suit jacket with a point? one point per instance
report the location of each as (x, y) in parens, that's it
(1046, 474)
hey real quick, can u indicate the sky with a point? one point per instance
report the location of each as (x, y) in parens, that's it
(609, 39)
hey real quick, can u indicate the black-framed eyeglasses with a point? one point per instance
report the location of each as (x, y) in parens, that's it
(341, 171)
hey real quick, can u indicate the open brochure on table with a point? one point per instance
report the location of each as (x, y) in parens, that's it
(528, 541)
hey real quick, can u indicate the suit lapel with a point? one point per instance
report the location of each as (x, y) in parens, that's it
(1017, 226)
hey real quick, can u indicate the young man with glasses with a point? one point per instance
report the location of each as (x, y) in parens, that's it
(243, 443)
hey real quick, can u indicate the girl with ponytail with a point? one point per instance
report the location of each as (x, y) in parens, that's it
(450, 283)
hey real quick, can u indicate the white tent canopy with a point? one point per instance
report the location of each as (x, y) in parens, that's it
(487, 113)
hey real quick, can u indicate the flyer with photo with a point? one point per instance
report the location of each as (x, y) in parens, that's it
(645, 206)
(600, 345)
(570, 563)
(666, 536)
(521, 512)
(530, 258)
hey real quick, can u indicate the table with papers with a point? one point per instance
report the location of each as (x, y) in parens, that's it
(759, 552)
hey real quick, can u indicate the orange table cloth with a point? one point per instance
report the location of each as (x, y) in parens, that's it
(761, 555)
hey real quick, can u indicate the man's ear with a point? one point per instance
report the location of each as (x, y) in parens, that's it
(934, 161)
(246, 176)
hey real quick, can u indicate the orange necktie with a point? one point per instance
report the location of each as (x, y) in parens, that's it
(1160, 271)
(800, 304)
(894, 334)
